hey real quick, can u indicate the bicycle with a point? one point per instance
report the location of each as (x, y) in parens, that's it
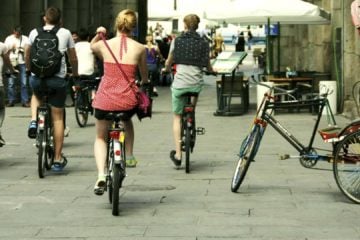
(188, 127)
(116, 158)
(345, 142)
(44, 134)
(82, 99)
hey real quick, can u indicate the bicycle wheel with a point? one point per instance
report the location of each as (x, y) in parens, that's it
(116, 189)
(247, 153)
(346, 166)
(81, 105)
(50, 152)
(110, 164)
(41, 138)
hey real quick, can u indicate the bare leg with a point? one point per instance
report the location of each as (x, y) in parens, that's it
(58, 123)
(129, 142)
(34, 104)
(100, 146)
(177, 135)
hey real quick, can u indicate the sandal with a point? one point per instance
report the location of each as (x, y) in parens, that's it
(100, 185)
(32, 129)
(131, 162)
(58, 166)
(176, 161)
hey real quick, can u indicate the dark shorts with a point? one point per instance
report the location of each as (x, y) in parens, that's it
(56, 89)
(100, 114)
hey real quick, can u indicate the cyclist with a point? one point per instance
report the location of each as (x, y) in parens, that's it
(57, 84)
(115, 93)
(190, 53)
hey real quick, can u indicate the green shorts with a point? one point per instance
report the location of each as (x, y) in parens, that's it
(178, 102)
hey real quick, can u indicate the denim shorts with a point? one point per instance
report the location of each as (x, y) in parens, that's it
(178, 102)
(56, 88)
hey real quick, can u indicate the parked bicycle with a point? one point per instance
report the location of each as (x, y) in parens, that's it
(85, 86)
(345, 142)
(44, 135)
(116, 158)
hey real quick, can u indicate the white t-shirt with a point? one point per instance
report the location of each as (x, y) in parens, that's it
(3, 51)
(86, 58)
(15, 44)
(65, 42)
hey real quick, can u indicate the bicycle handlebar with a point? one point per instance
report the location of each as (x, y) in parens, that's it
(281, 91)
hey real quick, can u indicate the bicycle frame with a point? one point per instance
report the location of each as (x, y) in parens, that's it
(265, 116)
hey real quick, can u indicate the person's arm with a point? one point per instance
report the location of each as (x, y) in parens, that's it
(5, 56)
(143, 67)
(73, 61)
(95, 43)
(170, 60)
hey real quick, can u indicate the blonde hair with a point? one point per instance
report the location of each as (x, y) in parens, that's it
(125, 21)
(192, 21)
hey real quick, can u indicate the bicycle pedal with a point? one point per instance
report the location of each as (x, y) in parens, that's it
(200, 131)
(284, 156)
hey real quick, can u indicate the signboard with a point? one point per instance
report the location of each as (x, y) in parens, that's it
(226, 62)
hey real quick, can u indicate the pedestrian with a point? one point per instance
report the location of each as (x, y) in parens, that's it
(117, 92)
(16, 44)
(153, 59)
(219, 44)
(240, 44)
(189, 75)
(249, 38)
(56, 84)
(86, 57)
(4, 59)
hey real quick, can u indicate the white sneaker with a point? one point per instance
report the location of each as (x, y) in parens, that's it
(66, 131)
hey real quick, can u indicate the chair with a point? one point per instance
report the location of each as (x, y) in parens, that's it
(234, 87)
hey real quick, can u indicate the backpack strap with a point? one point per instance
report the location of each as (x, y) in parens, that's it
(54, 30)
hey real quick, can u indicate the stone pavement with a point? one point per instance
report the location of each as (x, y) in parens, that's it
(278, 199)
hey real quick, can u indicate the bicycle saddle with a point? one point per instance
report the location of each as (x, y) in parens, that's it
(118, 116)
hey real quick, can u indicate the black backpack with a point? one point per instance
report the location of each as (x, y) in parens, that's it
(45, 57)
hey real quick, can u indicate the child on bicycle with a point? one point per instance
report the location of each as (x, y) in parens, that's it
(191, 54)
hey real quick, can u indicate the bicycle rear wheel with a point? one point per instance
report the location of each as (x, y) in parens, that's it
(50, 152)
(247, 153)
(41, 138)
(110, 164)
(187, 148)
(118, 177)
(116, 189)
(346, 166)
(81, 108)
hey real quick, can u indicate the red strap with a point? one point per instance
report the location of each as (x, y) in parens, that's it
(112, 54)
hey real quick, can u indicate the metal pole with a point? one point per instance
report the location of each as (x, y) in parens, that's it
(268, 50)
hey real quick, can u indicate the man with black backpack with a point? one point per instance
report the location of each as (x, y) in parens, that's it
(46, 61)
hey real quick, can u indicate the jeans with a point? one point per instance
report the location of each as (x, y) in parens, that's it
(23, 85)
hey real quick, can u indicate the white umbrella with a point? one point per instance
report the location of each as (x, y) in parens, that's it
(267, 11)
(261, 11)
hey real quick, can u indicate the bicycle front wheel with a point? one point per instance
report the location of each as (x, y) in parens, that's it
(81, 105)
(346, 166)
(247, 153)
(41, 138)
